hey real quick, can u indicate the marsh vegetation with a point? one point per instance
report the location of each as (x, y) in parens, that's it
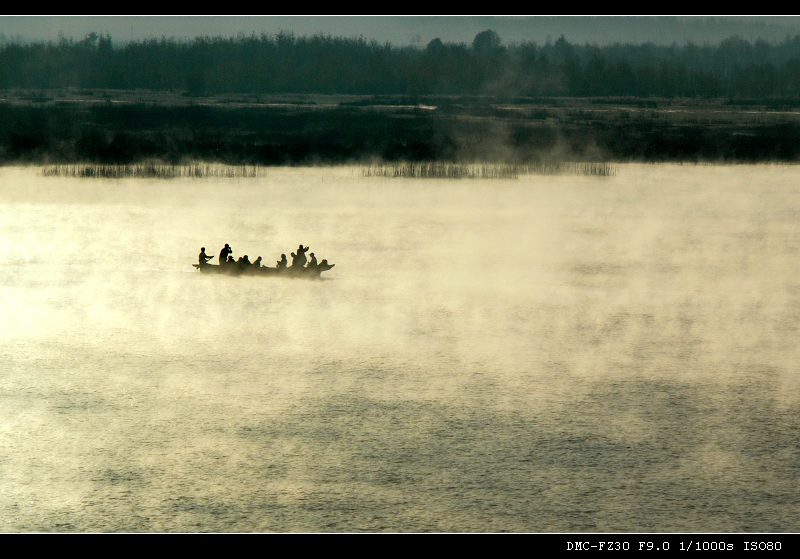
(155, 170)
(128, 128)
(441, 170)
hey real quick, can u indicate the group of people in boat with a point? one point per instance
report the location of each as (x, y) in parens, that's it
(299, 260)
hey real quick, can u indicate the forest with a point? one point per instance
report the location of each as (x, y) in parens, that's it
(285, 63)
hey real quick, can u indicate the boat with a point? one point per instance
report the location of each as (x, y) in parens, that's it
(308, 272)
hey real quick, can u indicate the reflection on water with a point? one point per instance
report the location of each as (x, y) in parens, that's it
(546, 354)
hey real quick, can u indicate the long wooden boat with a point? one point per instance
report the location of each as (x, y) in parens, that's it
(308, 272)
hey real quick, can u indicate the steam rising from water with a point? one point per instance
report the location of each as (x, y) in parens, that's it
(545, 354)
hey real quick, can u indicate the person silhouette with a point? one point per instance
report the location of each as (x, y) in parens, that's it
(257, 263)
(299, 259)
(283, 262)
(202, 257)
(224, 253)
(323, 267)
(312, 263)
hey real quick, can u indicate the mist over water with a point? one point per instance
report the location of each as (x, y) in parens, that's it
(543, 354)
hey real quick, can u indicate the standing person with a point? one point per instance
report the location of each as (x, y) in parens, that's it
(299, 259)
(224, 253)
(202, 258)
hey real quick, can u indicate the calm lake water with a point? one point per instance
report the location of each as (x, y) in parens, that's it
(548, 354)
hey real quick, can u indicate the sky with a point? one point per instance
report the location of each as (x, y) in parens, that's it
(410, 30)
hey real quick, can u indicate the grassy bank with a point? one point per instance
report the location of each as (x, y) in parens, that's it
(128, 128)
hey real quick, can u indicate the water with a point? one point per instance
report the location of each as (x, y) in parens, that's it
(546, 354)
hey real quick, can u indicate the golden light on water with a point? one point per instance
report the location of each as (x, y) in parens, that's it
(486, 355)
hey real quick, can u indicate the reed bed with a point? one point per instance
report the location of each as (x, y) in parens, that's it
(441, 171)
(438, 170)
(155, 171)
(583, 168)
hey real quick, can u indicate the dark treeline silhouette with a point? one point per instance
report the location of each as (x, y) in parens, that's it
(285, 63)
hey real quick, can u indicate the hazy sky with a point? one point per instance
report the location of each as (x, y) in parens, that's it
(411, 30)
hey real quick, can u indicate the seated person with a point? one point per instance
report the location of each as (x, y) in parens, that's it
(202, 257)
(324, 266)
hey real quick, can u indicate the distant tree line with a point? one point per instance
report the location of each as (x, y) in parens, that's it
(285, 63)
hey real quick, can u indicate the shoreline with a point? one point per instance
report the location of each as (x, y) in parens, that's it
(128, 127)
